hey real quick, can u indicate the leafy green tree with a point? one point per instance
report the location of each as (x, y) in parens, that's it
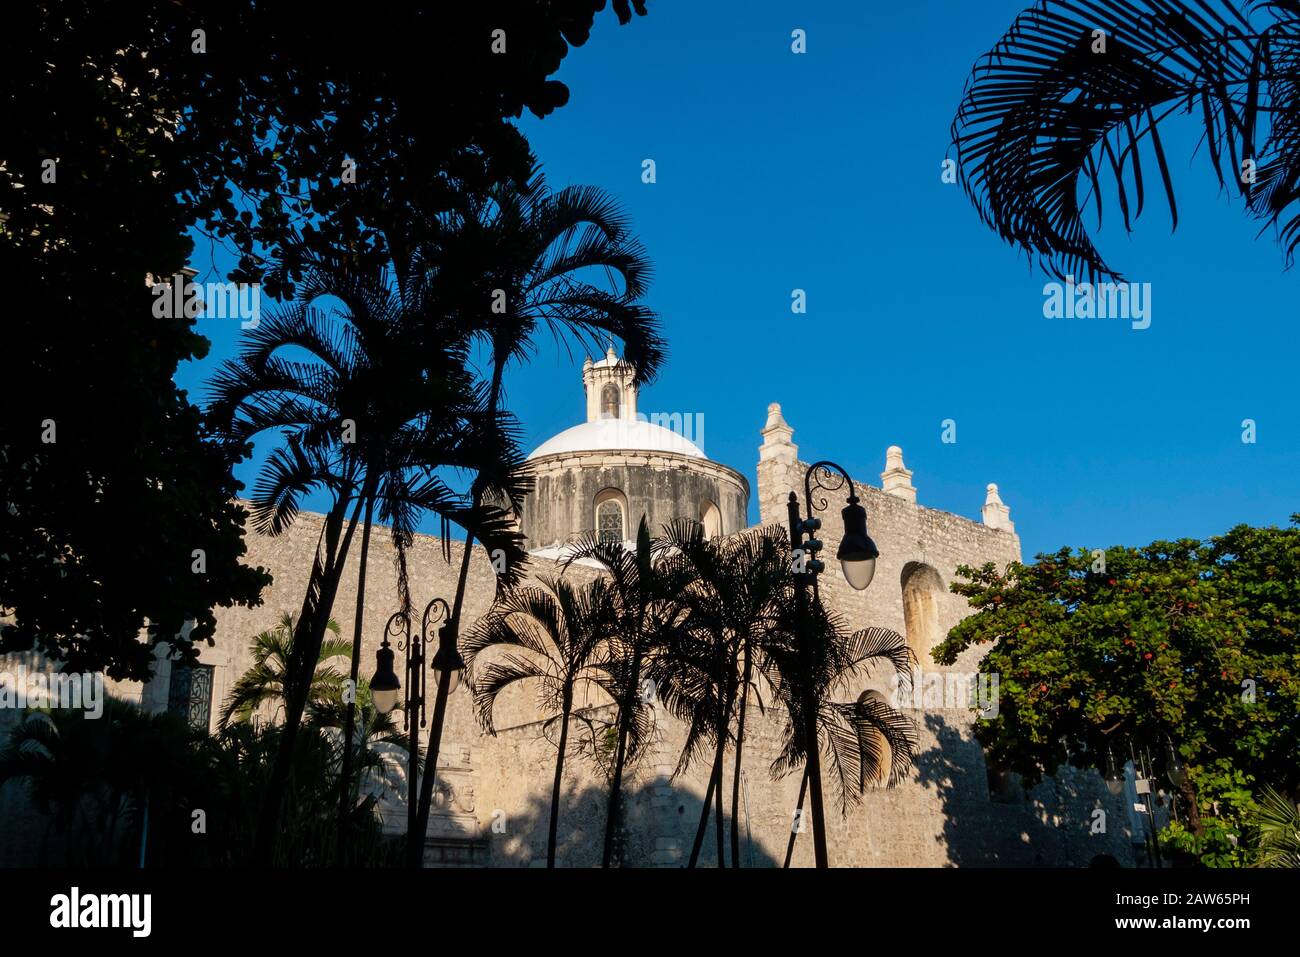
(1186, 643)
(127, 127)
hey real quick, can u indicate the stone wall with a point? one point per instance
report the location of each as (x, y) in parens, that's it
(661, 486)
(494, 795)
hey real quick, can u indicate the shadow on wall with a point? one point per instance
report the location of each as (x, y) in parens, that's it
(1053, 825)
(657, 828)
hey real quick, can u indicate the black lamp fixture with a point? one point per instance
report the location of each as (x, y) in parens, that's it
(447, 659)
(385, 686)
(857, 554)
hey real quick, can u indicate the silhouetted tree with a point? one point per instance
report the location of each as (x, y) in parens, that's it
(554, 637)
(1076, 93)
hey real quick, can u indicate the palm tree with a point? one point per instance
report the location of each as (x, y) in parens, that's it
(1078, 89)
(866, 739)
(645, 611)
(554, 637)
(1278, 823)
(94, 776)
(371, 400)
(524, 259)
(730, 604)
(404, 444)
(265, 680)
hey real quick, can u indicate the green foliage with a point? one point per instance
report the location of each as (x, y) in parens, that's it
(1189, 641)
(265, 679)
(244, 143)
(95, 778)
(1277, 821)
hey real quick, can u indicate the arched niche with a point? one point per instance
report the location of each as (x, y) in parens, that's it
(922, 591)
(711, 519)
(881, 778)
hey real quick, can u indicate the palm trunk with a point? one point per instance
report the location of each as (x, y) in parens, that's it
(718, 825)
(740, 747)
(559, 775)
(704, 815)
(345, 779)
(439, 713)
(415, 835)
(798, 816)
(1193, 811)
(724, 722)
(624, 729)
(453, 625)
(308, 635)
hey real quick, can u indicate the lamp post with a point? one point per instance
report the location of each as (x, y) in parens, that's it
(857, 555)
(386, 687)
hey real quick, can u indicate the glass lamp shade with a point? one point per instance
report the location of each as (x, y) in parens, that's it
(858, 573)
(385, 688)
(857, 552)
(452, 683)
(448, 659)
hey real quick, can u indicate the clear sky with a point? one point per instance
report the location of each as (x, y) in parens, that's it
(821, 171)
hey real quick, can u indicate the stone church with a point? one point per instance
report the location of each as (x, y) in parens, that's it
(603, 474)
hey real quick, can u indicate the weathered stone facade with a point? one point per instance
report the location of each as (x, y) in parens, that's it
(626, 466)
(495, 790)
(661, 486)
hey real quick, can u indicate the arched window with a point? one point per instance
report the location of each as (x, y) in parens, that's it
(711, 518)
(609, 402)
(611, 516)
(876, 742)
(922, 587)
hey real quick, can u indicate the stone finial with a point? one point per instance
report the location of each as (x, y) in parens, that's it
(997, 514)
(587, 365)
(777, 435)
(896, 479)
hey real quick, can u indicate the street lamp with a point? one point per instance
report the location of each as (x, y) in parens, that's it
(857, 552)
(857, 555)
(385, 687)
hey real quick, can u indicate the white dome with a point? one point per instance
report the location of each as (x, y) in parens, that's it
(617, 434)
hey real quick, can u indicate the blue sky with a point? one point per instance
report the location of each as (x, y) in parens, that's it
(821, 171)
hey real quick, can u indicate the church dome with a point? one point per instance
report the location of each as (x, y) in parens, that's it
(620, 466)
(617, 435)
